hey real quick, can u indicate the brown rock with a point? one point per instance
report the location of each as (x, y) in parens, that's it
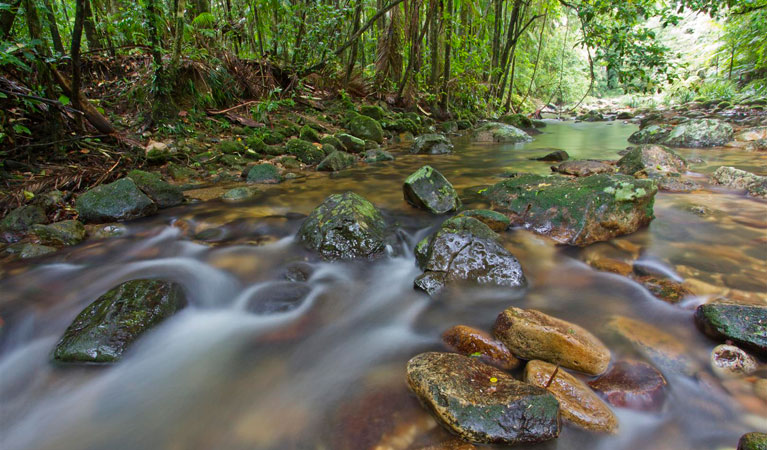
(579, 404)
(610, 265)
(632, 384)
(453, 444)
(583, 168)
(531, 334)
(663, 349)
(729, 361)
(472, 342)
(667, 290)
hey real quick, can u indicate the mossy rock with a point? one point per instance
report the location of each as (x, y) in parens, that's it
(289, 128)
(577, 211)
(697, 133)
(239, 194)
(289, 162)
(66, 232)
(493, 219)
(538, 123)
(309, 134)
(231, 147)
(22, 218)
(334, 141)
(344, 226)
(275, 150)
(274, 137)
(327, 149)
(428, 189)
(163, 194)
(448, 127)
(256, 144)
(337, 161)
(591, 116)
(264, 174)
(350, 143)
(516, 120)
(235, 161)
(753, 441)
(745, 325)
(373, 111)
(652, 160)
(402, 125)
(378, 155)
(463, 124)
(500, 133)
(181, 173)
(432, 144)
(365, 128)
(652, 134)
(304, 151)
(114, 202)
(104, 330)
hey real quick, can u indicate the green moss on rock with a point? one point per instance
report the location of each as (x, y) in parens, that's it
(308, 133)
(428, 189)
(163, 194)
(66, 232)
(264, 174)
(365, 128)
(22, 218)
(114, 202)
(304, 151)
(350, 143)
(336, 161)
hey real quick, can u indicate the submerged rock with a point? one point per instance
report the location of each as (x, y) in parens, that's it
(104, 330)
(652, 134)
(432, 144)
(114, 202)
(663, 349)
(476, 343)
(165, 195)
(577, 402)
(632, 384)
(669, 291)
(494, 220)
(337, 161)
(583, 168)
(278, 297)
(745, 325)
(264, 174)
(481, 403)
(344, 226)
(531, 334)
(66, 232)
(729, 361)
(22, 218)
(755, 185)
(465, 249)
(699, 133)
(500, 132)
(428, 189)
(577, 211)
(555, 156)
(652, 160)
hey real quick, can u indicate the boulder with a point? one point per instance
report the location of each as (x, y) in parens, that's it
(304, 151)
(755, 185)
(366, 128)
(465, 249)
(752, 134)
(699, 133)
(480, 403)
(239, 194)
(652, 134)
(591, 116)
(477, 343)
(114, 202)
(632, 384)
(665, 350)
(373, 111)
(22, 218)
(494, 220)
(531, 334)
(163, 194)
(555, 156)
(583, 168)
(501, 133)
(516, 120)
(578, 404)
(577, 211)
(753, 441)
(309, 134)
(432, 144)
(669, 291)
(728, 361)
(66, 232)
(336, 161)
(104, 330)
(344, 226)
(428, 189)
(351, 143)
(745, 325)
(378, 155)
(333, 142)
(652, 160)
(264, 174)
(29, 250)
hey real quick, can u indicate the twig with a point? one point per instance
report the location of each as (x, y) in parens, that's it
(553, 375)
(224, 111)
(62, 141)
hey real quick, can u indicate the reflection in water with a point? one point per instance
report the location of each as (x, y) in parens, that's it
(329, 374)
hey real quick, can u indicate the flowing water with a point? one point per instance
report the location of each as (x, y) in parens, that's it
(330, 374)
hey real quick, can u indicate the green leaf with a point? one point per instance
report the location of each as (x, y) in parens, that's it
(64, 100)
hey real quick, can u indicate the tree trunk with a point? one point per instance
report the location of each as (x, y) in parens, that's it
(53, 27)
(91, 35)
(181, 8)
(77, 33)
(434, 48)
(444, 94)
(353, 51)
(7, 18)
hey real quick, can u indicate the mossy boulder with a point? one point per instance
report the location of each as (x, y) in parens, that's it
(333, 141)
(745, 325)
(495, 220)
(231, 147)
(753, 441)
(304, 151)
(30, 250)
(577, 211)
(555, 156)
(465, 249)
(432, 144)
(239, 194)
(264, 174)
(308, 133)
(583, 168)
(350, 143)
(365, 128)
(480, 403)
(66, 232)
(428, 189)
(516, 120)
(288, 127)
(104, 330)
(699, 133)
(336, 161)
(500, 133)
(651, 160)
(403, 125)
(591, 116)
(344, 226)
(114, 202)
(22, 218)
(378, 155)
(274, 137)
(652, 134)
(163, 194)
(256, 144)
(755, 185)
(373, 111)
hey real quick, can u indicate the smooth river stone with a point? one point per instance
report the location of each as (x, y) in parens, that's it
(531, 334)
(663, 349)
(579, 404)
(745, 325)
(473, 342)
(753, 441)
(728, 361)
(480, 403)
(583, 168)
(632, 384)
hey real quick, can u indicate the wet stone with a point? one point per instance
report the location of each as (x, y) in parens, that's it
(432, 144)
(428, 189)
(663, 349)
(577, 402)
(477, 343)
(583, 168)
(336, 161)
(667, 290)
(743, 324)
(494, 220)
(114, 202)
(531, 334)
(299, 271)
(239, 194)
(278, 297)
(753, 441)
(66, 232)
(27, 251)
(632, 384)
(480, 403)
(728, 361)
(22, 218)
(555, 156)
(165, 195)
(610, 265)
(500, 133)
(755, 185)
(699, 133)
(652, 160)
(264, 173)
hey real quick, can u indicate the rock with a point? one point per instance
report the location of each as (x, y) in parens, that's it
(22, 218)
(663, 349)
(163, 194)
(755, 185)
(531, 334)
(27, 251)
(652, 134)
(432, 144)
(577, 402)
(583, 168)
(728, 361)
(274, 137)
(278, 297)
(610, 265)
(669, 291)
(465, 249)
(344, 226)
(373, 111)
(480, 403)
(753, 441)
(403, 125)
(309, 134)
(476, 343)
(624, 115)
(264, 174)
(652, 160)
(577, 211)
(157, 152)
(428, 189)
(499, 132)
(256, 144)
(114, 202)
(333, 142)
(66, 232)
(495, 220)
(365, 128)
(239, 194)
(104, 330)
(752, 134)
(699, 133)
(351, 143)
(231, 147)
(378, 155)
(336, 161)
(632, 384)
(591, 116)
(516, 120)
(676, 184)
(745, 325)
(304, 151)
(555, 156)
(760, 388)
